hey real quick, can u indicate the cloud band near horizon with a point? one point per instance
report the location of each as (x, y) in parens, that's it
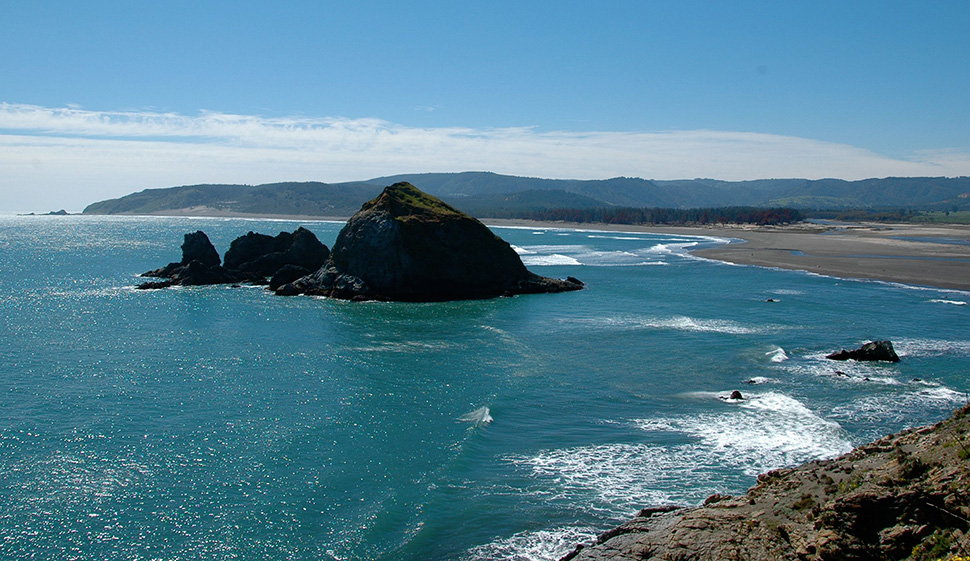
(69, 157)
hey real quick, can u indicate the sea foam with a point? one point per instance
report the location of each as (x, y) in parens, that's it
(777, 355)
(750, 436)
(676, 323)
(540, 545)
(761, 432)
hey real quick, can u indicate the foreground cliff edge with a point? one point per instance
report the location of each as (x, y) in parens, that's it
(409, 246)
(902, 497)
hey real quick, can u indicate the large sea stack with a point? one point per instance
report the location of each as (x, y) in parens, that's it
(407, 245)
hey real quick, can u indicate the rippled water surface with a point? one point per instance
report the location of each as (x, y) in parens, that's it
(228, 423)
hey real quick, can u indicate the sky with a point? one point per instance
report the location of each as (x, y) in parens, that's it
(99, 99)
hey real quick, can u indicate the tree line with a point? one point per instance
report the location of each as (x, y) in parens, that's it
(666, 216)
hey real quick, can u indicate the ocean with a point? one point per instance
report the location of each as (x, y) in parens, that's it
(218, 423)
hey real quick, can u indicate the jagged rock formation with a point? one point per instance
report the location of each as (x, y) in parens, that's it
(251, 258)
(903, 497)
(265, 255)
(200, 265)
(407, 245)
(871, 351)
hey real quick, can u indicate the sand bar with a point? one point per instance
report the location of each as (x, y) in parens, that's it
(923, 255)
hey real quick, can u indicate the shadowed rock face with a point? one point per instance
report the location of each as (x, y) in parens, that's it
(265, 255)
(871, 351)
(197, 247)
(407, 245)
(251, 258)
(200, 265)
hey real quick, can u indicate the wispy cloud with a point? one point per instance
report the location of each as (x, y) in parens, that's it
(70, 156)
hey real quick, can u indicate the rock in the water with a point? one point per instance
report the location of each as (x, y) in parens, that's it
(199, 265)
(196, 273)
(871, 351)
(197, 247)
(265, 255)
(251, 258)
(407, 245)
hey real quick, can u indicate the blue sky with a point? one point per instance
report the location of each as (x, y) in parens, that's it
(99, 99)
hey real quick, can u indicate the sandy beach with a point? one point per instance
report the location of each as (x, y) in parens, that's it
(922, 255)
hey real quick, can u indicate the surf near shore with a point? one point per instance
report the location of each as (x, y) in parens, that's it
(924, 255)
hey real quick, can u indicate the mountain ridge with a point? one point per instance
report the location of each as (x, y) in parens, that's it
(487, 193)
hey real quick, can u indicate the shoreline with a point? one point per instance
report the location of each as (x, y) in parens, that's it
(936, 256)
(887, 499)
(922, 255)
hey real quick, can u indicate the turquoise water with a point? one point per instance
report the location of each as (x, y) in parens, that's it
(228, 423)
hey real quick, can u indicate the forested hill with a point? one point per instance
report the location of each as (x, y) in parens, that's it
(487, 194)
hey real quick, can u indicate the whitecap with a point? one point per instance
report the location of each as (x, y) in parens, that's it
(895, 408)
(480, 416)
(750, 436)
(685, 323)
(670, 248)
(541, 545)
(944, 301)
(552, 259)
(760, 433)
(846, 371)
(677, 323)
(931, 347)
(777, 355)
(618, 479)
(623, 238)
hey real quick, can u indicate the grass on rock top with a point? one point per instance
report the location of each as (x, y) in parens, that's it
(404, 199)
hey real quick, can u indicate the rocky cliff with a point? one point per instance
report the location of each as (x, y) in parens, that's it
(407, 245)
(903, 497)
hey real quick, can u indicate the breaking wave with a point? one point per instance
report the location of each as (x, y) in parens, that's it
(750, 436)
(480, 416)
(777, 355)
(677, 323)
(540, 545)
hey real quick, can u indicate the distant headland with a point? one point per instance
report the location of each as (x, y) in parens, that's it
(491, 195)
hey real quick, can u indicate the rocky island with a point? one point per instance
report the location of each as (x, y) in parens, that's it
(903, 497)
(406, 245)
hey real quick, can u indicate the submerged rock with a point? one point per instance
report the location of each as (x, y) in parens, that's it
(871, 351)
(407, 245)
